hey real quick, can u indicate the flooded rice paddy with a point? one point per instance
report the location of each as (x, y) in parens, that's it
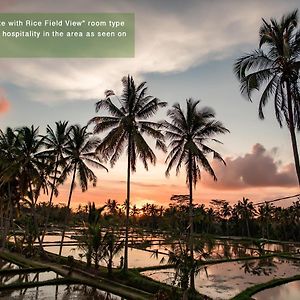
(288, 291)
(58, 292)
(218, 281)
(225, 280)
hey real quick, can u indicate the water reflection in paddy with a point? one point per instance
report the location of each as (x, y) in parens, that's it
(60, 292)
(4, 265)
(29, 277)
(137, 258)
(288, 291)
(225, 280)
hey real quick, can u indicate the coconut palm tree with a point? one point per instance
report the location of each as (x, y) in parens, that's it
(91, 241)
(189, 133)
(55, 142)
(31, 168)
(113, 244)
(112, 207)
(80, 152)
(246, 211)
(265, 213)
(128, 124)
(9, 141)
(274, 69)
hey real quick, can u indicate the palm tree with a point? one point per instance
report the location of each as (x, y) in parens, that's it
(134, 213)
(80, 152)
(112, 207)
(274, 67)
(127, 124)
(9, 141)
(246, 212)
(91, 241)
(188, 133)
(55, 142)
(226, 213)
(31, 168)
(265, 213)
(113, 244)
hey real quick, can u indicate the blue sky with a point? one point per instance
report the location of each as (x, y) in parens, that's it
(183, 49)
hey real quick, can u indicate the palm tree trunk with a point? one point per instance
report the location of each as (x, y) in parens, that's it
(2, 222)
(96, 260)
(67, 214)
(11, 215)
(291, 126)
(109, 266)
(33, 211)
(191, 223)
(50, 200)
(6, 221)
(125, 267)
(247, 226)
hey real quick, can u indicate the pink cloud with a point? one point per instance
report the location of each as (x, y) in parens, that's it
(4, 103)
(255, 169)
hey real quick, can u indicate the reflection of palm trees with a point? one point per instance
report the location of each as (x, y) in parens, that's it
(263, 266)
(86, 292)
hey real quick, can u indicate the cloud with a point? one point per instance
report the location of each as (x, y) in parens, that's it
(170, 37)
(255, 169)
(4, 103)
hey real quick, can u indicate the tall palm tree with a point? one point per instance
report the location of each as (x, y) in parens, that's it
(246, 211)
(80, 152)
(226, 211)
(188, 133)
(127, 125)
(274, 68)
(265, 213)
(55, 142)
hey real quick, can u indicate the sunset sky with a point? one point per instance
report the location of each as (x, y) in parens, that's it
(183, 49)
